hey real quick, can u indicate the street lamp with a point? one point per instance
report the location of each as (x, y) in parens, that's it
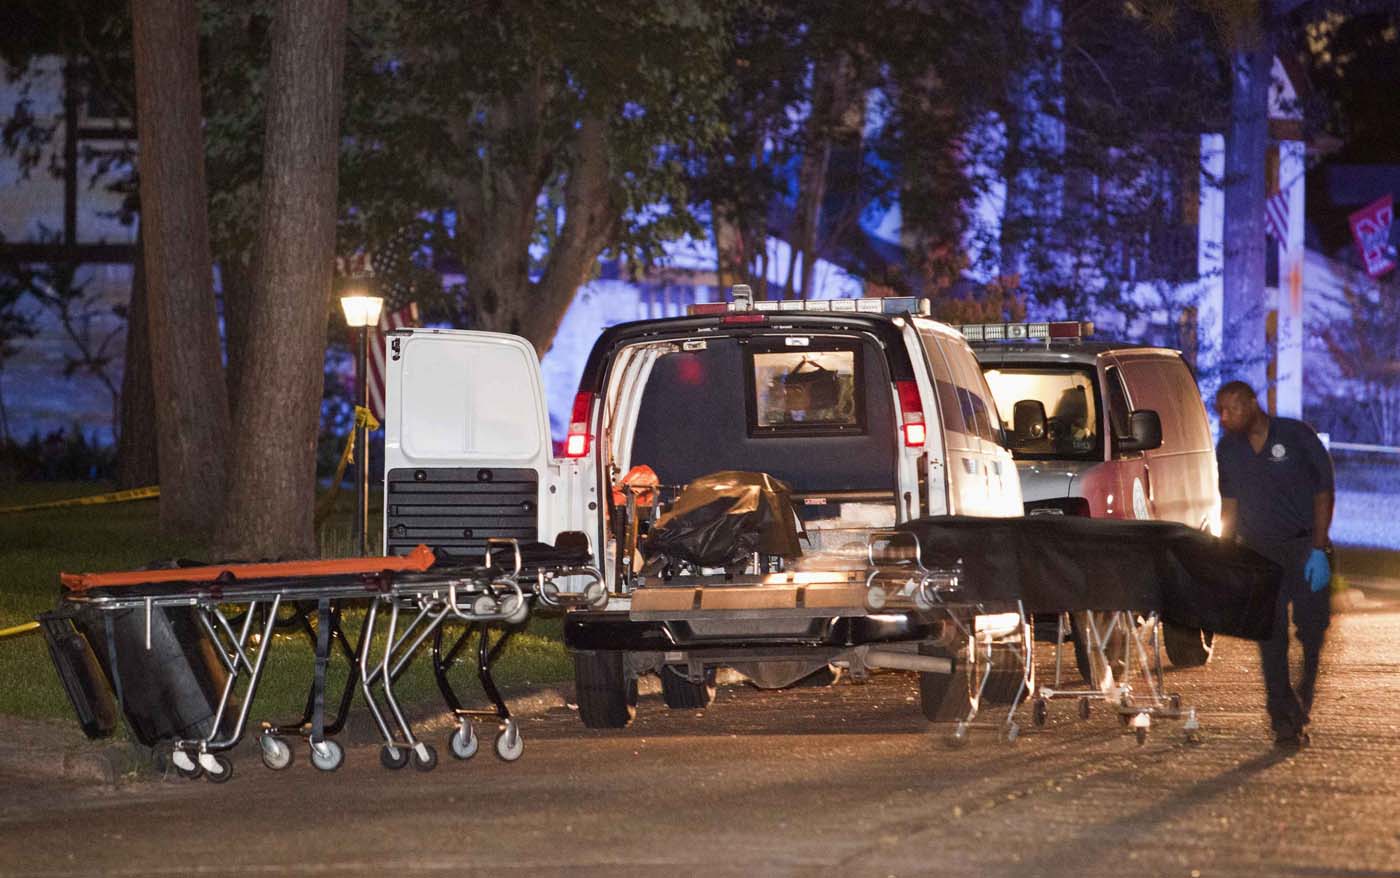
(362, 312)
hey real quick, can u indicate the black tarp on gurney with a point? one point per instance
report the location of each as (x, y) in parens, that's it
(1059, 563)
(723, 518)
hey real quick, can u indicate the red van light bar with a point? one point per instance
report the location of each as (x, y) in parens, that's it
(1026, 331)
(577, 442)
(745, 317)
(911, 414)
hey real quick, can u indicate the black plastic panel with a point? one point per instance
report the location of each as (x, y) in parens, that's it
(457, 509)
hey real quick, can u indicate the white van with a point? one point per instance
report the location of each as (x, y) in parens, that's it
(869, 412)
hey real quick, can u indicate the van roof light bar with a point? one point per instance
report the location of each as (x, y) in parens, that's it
(744, 301)
(1035, 331)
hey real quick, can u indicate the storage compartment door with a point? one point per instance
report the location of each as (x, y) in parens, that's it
(466, 440)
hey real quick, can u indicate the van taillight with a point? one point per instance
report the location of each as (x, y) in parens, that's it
(911, 414)
(577, 442)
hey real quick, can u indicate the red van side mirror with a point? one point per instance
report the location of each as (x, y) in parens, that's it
(1147, 432)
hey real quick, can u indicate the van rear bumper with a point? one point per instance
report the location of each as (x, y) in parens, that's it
(600, 630)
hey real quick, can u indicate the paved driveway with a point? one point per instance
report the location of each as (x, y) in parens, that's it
(847, 781)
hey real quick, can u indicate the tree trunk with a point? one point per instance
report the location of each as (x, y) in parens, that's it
(1246, 157)
(138, 463)
(831, 101)
(237, 285)
(273, 475)
(496, 251)
(187, 373)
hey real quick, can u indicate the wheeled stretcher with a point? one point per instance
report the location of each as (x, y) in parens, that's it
(991, 642)
(1123, 652)
(408, 600)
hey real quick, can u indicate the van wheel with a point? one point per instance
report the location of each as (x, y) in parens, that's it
(607, 694)
(681, 694)
(945, 697)
(1187, 647)
(1115, 650)
(1004, 683)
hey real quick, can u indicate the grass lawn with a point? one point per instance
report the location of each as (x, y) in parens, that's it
(36, 546)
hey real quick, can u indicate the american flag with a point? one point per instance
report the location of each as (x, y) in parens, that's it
(392, 268)
(1276, 216)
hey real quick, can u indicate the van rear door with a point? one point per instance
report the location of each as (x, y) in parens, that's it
(466, 441)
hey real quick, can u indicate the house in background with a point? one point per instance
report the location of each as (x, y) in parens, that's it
(63, 213)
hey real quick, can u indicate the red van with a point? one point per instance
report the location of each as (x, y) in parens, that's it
(1104, 429)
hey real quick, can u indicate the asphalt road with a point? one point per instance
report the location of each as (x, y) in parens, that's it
(848, 780)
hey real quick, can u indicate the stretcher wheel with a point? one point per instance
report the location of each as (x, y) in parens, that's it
(327, 755)
(463, 743)
(1040, 710)
(1175, 701)
(1193, 737)
(1141, 734)
(222, 768)
(1085, 708)
(1013, 731)
(424, 757)
(959, 736)
(515, 608)
(393, 757)
(185, 765)
(509, 744)
(276, 753)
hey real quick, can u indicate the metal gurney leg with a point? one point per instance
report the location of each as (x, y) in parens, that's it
(1104, 635)
(463, 742)
(191, 756)
(326, 754)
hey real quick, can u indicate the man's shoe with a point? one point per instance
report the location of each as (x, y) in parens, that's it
(1292, 740)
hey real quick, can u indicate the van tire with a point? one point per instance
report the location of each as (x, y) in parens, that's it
(1004, 683)
(945, 697)
(606, 693)
(680, 693)
(1115, 650)
(1187, 647)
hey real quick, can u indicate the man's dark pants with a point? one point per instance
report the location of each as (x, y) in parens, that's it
(1289, 706)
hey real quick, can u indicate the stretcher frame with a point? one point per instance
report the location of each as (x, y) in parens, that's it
(898, 578)
(232, 611)
(1142, 662)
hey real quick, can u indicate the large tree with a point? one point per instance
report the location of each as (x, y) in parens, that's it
(284, 348)
(191, 399)
(540, 134)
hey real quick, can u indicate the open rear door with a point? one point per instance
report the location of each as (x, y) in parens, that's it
(466, 440)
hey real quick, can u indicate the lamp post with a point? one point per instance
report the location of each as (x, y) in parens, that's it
(362, 312)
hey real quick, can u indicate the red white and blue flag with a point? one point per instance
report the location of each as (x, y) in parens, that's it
(399, 318)
(392, 270)
(1276, 216)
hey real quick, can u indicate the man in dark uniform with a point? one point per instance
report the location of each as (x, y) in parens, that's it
(1276, 493)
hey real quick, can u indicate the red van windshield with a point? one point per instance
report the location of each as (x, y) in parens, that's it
(1049, 414)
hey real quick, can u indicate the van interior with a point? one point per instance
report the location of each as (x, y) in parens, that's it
(814, 411)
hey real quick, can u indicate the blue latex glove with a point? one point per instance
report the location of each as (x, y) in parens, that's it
(1317, 571)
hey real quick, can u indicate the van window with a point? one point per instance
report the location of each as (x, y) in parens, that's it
(1165, 386)
(1070, 400)
(692, 421)
(1118, 408)
(950, 409)
(978, 406)
(803, 391)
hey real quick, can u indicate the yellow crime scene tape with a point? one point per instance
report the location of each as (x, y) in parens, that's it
(363, 418)
(17, 630)
(93, 500)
